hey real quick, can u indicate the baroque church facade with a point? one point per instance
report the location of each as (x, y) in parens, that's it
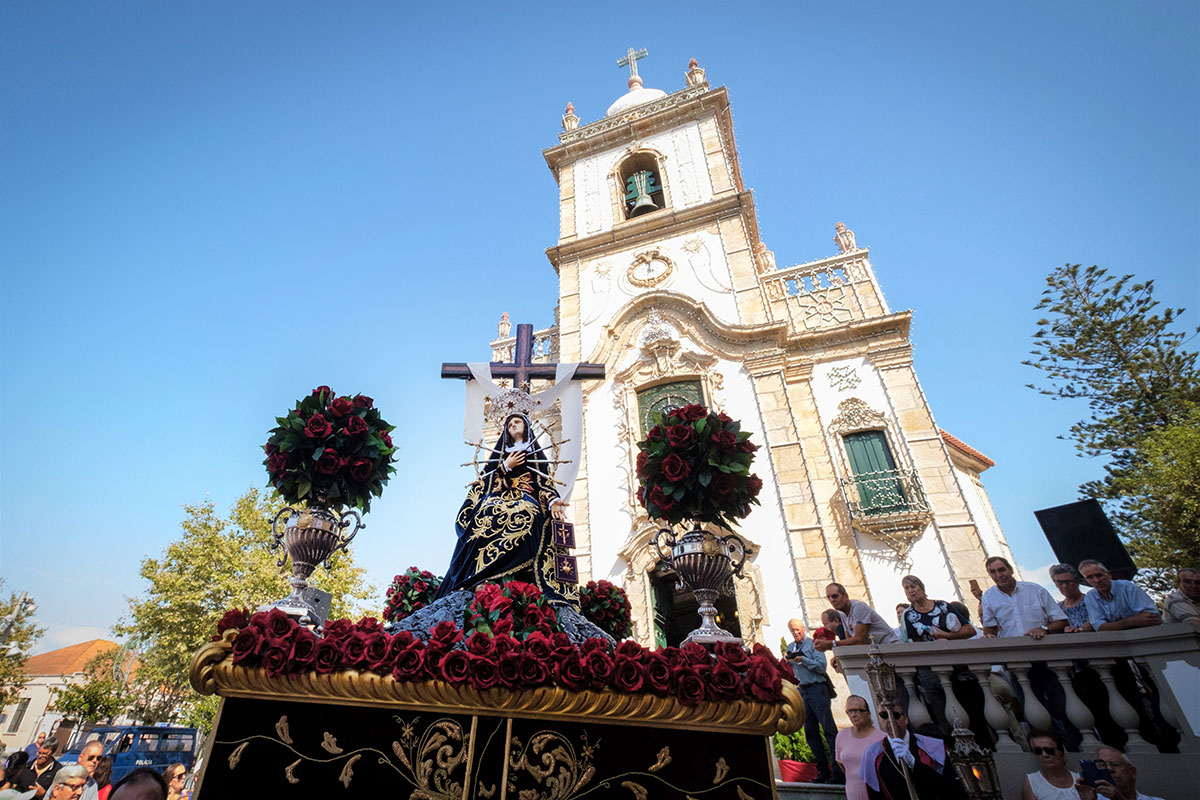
(664, 279)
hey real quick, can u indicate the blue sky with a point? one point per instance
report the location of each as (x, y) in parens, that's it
(210, 208)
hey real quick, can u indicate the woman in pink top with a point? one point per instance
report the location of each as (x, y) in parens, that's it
(852, 742)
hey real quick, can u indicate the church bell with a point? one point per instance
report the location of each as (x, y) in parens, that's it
(638, 189)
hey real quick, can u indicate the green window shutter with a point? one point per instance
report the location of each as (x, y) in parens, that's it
(879, 489)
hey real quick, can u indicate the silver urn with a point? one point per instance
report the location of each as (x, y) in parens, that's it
(705, 564)
(310, 537)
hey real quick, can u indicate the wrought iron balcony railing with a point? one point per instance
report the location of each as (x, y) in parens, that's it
(889, 505)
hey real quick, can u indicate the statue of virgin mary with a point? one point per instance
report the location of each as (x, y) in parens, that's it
(503, 526)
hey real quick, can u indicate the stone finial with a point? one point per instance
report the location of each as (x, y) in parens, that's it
(505, 327)
(569, 121)
(764, 258)
(695, 74)
(844, 238)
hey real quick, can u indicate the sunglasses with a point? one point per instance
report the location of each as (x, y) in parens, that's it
(892, 715)
(1043, 751)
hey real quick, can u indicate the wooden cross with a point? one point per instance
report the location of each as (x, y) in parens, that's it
(630, 60)
(522, 370)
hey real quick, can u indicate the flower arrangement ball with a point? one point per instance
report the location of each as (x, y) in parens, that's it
(694, 464)
(331, 450)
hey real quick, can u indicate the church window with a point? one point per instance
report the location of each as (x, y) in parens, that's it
(880, 491)
(666, 397)
(18, 715)
(676, 612)
(641, 185)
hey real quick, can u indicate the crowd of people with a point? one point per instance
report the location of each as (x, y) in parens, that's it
(866, 759)
(36, 774)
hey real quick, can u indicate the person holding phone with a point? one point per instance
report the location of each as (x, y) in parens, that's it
(1109, 763)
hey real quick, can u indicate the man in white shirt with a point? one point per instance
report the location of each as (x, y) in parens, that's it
(1124, 775)
(1021, 608)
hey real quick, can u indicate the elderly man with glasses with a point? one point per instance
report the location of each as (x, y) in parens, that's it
(89, 757)
(861, 623)
(1124, 778)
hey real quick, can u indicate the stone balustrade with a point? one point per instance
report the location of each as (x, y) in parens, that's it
(1169, 654)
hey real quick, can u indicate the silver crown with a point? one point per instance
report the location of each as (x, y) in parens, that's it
(511, 401)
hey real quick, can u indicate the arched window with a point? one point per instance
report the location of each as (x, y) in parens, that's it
(641, 185)
(666, 397)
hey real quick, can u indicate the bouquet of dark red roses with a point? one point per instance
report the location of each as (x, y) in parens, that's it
(515, 608)
(695, 465)
(607, 607)
(410, 592)
(331, 450)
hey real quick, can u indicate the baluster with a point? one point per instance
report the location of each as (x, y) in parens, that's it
(1035, 712)
(953, 709)
(995, 712)
(1165, 708)
(917, 713)
(1079, 714)
(1118, 707)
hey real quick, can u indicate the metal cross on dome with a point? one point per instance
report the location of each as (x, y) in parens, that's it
(630, 60)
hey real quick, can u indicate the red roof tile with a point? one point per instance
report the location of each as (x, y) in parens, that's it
(963, 447)
(67, 660)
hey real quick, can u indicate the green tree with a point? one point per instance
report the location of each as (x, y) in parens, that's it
(1106, 341)
(14, 650)
(1158, 505)
(216, 564)
(100, 696)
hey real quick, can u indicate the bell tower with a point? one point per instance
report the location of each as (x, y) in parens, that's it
(664, 279)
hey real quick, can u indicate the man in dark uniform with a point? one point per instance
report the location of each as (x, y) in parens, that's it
(924, 756)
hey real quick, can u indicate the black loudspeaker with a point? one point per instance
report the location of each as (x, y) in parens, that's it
(1079, 531)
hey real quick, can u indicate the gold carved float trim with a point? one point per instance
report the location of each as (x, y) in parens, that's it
(212, 672)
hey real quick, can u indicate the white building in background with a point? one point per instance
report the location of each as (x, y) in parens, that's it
(678, 296)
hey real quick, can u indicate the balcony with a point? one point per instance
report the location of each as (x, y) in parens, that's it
(1169, 654)
(889, 505)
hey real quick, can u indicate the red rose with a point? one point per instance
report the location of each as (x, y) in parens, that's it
(675, 468)
(664, 503)
(533, 672)
(627, 675)
(445, 634)
(409, 664)
(725, 441)
(632, 650)
(247, 646)
(304, 650)
(600, 666)
(538, 646)
(655, 434)
(641, 496)
(484, 673)
(233, 618)
(377, 653)
(485, 592)
(317, 427)
(502, 627)
(362, 401)
(398, 643)
(275, 660)
(338, 629)
(368, 625)
(733, 655)
(503, 643)
(479, 644)
(328, 656)
(387, 438)
(354, 649)
(279, 625)
(499, 604)
(276, 463)
(322, 390)
(723, 417)
(724, 683)
(763, 679)
(561, 644)
(658, 673)
(692, 412)
(689, 686)
(355, 426)
(508, 669)
(679, 436)
(456, 667)
(697, 654)
(341, 407)
(360, 470)
(747, 446)
(642, 460)
(571, 673)
(426, 574)
(329, 463)
(754, 485)
(722, 485)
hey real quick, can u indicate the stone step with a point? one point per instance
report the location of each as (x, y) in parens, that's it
(809, 791)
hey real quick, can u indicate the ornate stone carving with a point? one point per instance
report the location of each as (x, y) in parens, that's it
(505, 327)
(855, 415)
(844, 378)
(825, 307)
(569, 121)
(644, 110)
(844, 238)
(695, 74)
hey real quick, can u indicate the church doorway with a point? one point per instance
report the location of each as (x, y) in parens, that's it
(675, 610)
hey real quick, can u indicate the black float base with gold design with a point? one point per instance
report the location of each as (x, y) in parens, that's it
(355, 734)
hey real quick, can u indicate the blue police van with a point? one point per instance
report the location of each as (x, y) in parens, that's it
(133, 746)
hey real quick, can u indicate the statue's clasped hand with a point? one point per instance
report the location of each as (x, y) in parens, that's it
(514, 460)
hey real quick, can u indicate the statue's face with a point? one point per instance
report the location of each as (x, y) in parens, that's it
(516, 429)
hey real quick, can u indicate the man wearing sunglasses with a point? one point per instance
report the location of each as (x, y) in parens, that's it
(923, 756)
(89, 757)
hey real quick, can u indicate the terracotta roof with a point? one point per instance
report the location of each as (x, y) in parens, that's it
(963, 447)
(68, 660)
